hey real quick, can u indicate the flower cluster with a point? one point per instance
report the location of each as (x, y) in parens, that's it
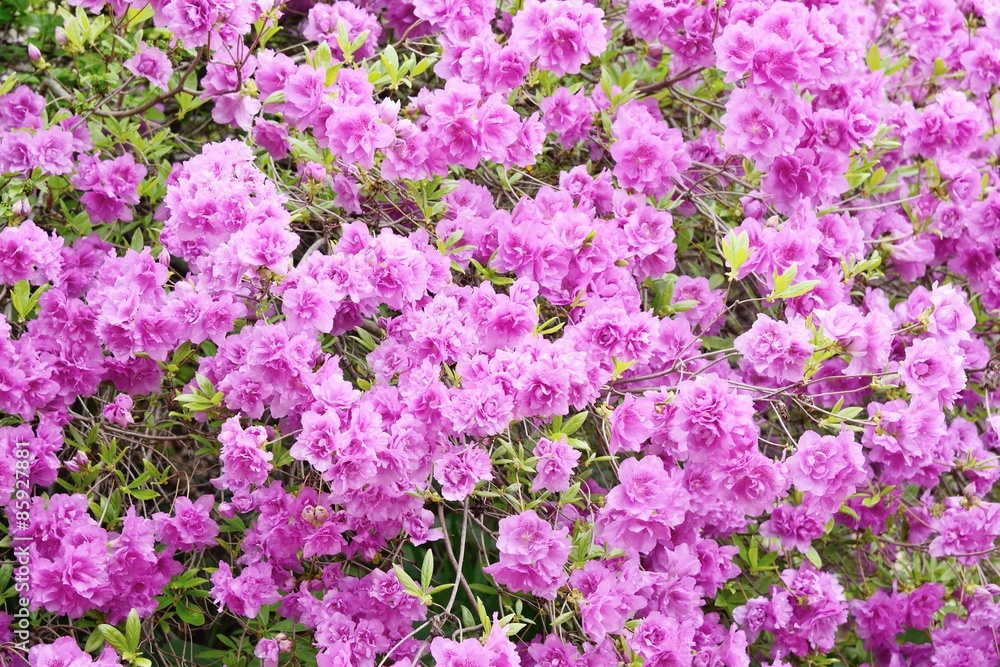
(517, 334)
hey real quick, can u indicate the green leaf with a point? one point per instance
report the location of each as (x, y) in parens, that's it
(189, 613)
(322, 56)
(133, 629)
(562, 618)
(23, 300)
(736, 252)
(391, 61)
(344, 41)
(484, 617)
(877, 177)
(574, 423)
(142, 494)
(113, 637)
(138, 243)
(359, 41)
(94, 641)
(784, 287)
(620, 367)
(427, 570)
(406, 581)
(683, 305)
(874, 58)
(8, 84)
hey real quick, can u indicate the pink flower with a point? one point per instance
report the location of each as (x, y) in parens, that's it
(151, 64)
(460, 470)
(21, 108)
(119, 412)
(648, 163)
(755, 128)
(268, 244)
(828, 467)
(355, 133)
(65, 652)
(246, 594)
(469, 653)
(555, 464)
(267, 652)
(932, 371)
(191, 528)
(244, 461)
(272, 137)
(776, 349)
(568, 115)
(646, 504)
(323, 23)
(561, 35)
(532, 555)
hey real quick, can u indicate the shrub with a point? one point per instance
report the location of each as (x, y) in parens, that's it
(530, 334)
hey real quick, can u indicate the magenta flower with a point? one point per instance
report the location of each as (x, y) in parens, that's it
(323, 21)
(244, 461)
(190, 528)
(460, 470)
(355, 134)
(828, 467)
(554, 467)
(151, 64)
(932, 372)
(532, 555)
(777, 349)
(120, 411)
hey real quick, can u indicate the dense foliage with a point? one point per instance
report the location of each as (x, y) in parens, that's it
(538, 333)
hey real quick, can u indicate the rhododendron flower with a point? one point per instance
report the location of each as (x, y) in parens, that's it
(532, 555)
(21, 108)
(827, 467)
(648, 155)
(244, 461)
(561, 35)
(966, 533)
(460, 470)
(932, 372)
(65, 652)
(642, 509)
(796, 526)
(554, 468)
(119, 412)
(190, 527)
(247, 593)
(777, 349)
(323, 24)
(267, 652)
(356, 133)
(151, 64)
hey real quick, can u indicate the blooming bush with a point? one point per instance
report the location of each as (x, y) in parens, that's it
(539, 333)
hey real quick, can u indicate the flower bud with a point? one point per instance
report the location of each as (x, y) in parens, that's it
(313, 171)
(309, 514)
(62, 39)
(33, 53)
(77, 463)
(321, 514)
(21, 208)
(226, 510)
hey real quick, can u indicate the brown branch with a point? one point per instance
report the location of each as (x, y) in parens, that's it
(142, 108)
